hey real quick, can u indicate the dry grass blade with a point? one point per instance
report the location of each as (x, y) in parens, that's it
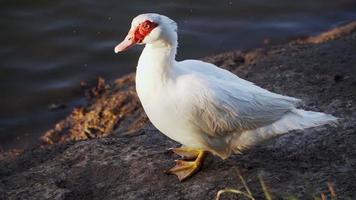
(265, 189)
(267, 194)
(243, 182)
(235, 191)
(332, 191)
(220, 192)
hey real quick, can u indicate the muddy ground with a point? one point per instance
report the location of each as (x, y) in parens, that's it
(109, 150)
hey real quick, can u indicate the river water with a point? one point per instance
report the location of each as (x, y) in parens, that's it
(48, 46)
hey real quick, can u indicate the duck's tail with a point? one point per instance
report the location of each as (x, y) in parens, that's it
(295, 120)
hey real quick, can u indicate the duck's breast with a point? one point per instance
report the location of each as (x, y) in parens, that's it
(159, 102)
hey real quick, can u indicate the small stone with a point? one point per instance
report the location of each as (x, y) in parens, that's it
(56, 106)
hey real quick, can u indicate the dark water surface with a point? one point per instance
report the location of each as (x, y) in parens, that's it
(48, 46)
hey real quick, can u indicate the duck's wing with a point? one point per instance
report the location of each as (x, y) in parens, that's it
(222, 105)
(208, 69)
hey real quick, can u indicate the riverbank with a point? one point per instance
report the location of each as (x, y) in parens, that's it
(122, 156)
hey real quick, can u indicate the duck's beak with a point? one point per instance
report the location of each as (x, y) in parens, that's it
(127, 43)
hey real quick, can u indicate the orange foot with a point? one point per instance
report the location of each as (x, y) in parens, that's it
(190, 163)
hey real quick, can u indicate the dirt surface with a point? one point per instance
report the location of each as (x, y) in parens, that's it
(114, 108)
(130, 163)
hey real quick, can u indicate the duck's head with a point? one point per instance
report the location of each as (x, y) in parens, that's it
(150, 28)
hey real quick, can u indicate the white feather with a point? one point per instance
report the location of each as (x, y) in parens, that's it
(297, 119)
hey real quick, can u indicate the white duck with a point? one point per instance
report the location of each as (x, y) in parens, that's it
(204, 107)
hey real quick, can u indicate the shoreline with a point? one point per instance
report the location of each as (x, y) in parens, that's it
(106, 98)
(321, 70)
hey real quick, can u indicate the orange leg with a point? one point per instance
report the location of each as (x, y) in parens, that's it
(192, 160)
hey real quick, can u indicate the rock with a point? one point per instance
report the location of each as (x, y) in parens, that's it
(130, 163)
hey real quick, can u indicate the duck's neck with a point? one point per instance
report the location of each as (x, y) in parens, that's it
(158, 58)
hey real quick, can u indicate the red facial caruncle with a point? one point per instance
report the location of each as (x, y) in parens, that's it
(136, 35)
(143, 30)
